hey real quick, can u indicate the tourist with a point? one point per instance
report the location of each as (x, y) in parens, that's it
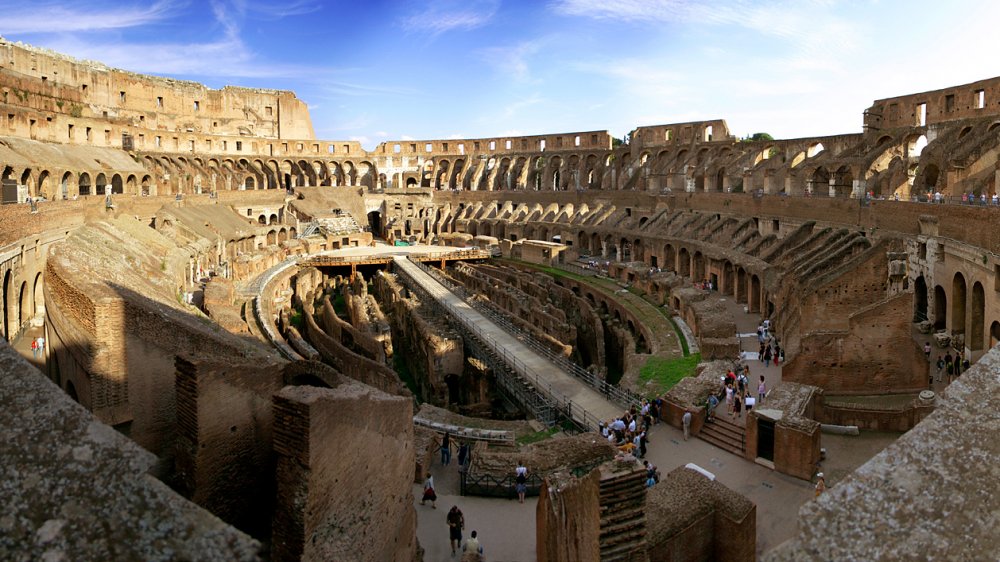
(521, 481)
(472, 544)
(965, 363)
(950, 369)
(686, 422)
(738, 405)
(713, 402)
(927, 350)
(446, 449)
(456, 522)
(748, 402)
(761, 389)
(729, 398)
(34, 348)
(429, 493)
(820, 484)
(642, 444)
(463, 455)
(767, 356)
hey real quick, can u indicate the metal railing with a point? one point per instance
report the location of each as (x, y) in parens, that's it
(565, 406)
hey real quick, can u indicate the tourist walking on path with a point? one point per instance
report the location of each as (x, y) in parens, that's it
(456, 522)
(34, 348)
(820, 484)
(761, 390)
(429, 493)
(463, 455)
(521, 481)
(446, 449)
(940, 367)
(686, 422)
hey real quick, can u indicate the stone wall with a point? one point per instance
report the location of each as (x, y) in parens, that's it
(567, 519)
(224, 460)
(926, 496)
(336, 506)
(693, 518)
(74, 488)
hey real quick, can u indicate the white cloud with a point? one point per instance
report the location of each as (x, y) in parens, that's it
(52, 17)
(441, 16)
(512, 61)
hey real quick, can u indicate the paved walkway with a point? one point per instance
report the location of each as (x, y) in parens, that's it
(589, 406)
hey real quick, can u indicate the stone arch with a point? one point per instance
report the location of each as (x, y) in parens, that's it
(977, 318)
(117, 185)
(64, 185)
(7, 278)
(843, 182)
(272, 238)
(958, 289)
(684, 263)
(669, 257)
(754, 293)
(699, 266)
(919, 299)
(42, 189)
(272, 219)
(940, 308)
(100, 184)
(819, 182)
(130, 185)
(994, 333)
(83, 183)
(38, 296)
(24, 303)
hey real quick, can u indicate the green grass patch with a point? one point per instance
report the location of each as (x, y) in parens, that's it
(340, 305)
(680, 336)
(296, 319)
(538, 435)
(665, 373)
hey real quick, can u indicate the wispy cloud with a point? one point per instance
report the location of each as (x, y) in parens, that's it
(512, 61)
(441, 16)
(513, 109)
(797, 20)
(53, 17)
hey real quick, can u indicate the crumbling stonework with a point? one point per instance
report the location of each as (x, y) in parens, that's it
(690, 517)
(74, 488)
(333, 506)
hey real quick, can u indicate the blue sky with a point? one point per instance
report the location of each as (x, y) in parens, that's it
(373, 70)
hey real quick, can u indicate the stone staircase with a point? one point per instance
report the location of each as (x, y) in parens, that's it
(623, 514)
(724, 432)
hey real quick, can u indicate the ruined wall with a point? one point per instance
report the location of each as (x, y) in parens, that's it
(874, 418)
(926, 496)
(433, 351)
(83, 491)
(356, 366)
(333, 506)
(875, 354)
(947, 104)
(693, 518)
(567, 519)
(224, 460)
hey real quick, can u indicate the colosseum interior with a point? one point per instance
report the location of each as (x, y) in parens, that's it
(253, 339)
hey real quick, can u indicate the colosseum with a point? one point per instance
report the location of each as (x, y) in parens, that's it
(226, 339)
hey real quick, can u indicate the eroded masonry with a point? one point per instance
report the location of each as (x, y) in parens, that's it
(237, 361)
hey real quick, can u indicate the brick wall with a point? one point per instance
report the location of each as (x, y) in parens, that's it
(337, 506)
